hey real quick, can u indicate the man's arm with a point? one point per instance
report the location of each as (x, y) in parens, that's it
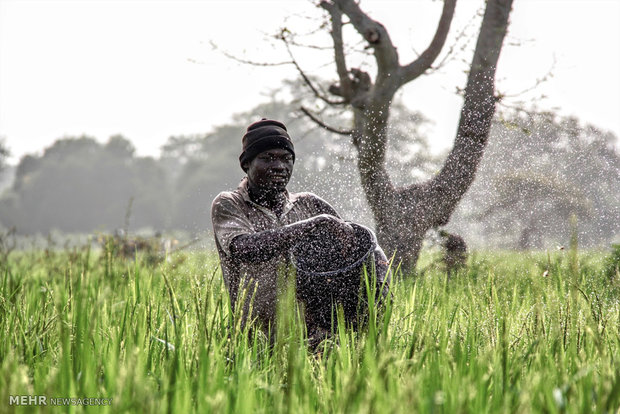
(264, 245)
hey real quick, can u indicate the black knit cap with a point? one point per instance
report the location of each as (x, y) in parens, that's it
(264, 135)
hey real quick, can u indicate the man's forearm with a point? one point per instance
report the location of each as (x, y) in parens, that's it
(264, 245)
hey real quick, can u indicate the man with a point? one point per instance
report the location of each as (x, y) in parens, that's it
(256, 225)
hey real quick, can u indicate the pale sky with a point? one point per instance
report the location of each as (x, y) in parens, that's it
(145, 68)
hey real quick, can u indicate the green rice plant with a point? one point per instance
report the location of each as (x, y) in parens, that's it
(513, 332)
(612, 263)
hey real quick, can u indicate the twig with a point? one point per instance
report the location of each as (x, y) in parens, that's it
(449, 56)
(323, 125)
(245, 61)
(306, 78)
(536, 84)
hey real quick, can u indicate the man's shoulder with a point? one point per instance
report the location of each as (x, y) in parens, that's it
(314, 202)
(305, 196)
(227, 198)
(227, 195)
(302, 195)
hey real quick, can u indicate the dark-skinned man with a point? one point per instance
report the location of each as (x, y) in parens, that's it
(256, 225)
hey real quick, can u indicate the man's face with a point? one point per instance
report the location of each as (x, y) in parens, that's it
(270, 170)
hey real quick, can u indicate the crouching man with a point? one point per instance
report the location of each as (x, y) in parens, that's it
(257, 225)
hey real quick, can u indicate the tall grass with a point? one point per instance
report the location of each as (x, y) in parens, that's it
(511, 333)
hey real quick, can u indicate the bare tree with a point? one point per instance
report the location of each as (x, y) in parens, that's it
(403, 215)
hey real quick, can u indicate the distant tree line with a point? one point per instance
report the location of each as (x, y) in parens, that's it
(539, 170)
(79, 185)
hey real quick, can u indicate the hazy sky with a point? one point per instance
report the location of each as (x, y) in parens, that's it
(145, 68)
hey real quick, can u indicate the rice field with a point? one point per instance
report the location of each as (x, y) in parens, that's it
(513, 332)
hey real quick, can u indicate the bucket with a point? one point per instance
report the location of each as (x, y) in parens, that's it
(326, 280)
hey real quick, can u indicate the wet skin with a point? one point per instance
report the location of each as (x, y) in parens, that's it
(268, 175)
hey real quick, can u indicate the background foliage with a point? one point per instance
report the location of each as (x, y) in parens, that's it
(539, 170)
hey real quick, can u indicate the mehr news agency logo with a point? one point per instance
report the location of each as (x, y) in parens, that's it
(57, 401)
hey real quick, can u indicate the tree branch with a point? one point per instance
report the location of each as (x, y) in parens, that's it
(426, 59)
(376, 35)
(341, 64)
(323, 125)
(460, 167)
(306, 78)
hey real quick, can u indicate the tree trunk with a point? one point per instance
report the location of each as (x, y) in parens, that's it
(404, 215)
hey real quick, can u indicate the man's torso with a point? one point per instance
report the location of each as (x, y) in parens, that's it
(234, 214)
